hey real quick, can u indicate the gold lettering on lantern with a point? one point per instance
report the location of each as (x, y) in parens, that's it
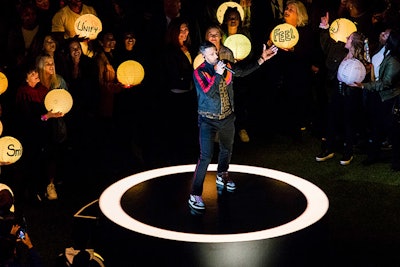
(82, 27)
(283, 36)
(13, 152)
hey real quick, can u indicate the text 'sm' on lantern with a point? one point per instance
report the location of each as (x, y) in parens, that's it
(239, 44)
(341, 28)
(224, 6)
(350, 71)
(88, 26)
(58, 100)
(130, 72)
(284, 36)
(3, 83)
(10, 149)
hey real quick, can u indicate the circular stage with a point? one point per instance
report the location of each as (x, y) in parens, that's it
(272, 219)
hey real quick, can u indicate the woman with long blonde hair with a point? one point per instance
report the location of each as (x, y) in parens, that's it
(55, 147)
(47, 73)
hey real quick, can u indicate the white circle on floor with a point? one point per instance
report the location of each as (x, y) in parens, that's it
(317, 205)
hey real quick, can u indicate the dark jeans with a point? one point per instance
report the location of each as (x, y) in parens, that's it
(344, 112)
(380, 121)
(208, 130)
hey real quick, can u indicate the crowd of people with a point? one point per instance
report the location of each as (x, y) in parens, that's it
(40, 51)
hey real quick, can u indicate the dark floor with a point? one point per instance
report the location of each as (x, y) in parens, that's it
(352, 233)
(258, 204)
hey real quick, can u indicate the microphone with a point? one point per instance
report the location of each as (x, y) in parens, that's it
(227, 68)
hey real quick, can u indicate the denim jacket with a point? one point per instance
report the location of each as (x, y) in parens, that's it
(388, 84)
(208, 83)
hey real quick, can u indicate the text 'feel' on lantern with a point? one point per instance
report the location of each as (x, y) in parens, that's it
(10, 149)
(58, 100)
(284, 36)
(130, 72)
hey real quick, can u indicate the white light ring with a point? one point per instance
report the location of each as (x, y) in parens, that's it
(317, 205)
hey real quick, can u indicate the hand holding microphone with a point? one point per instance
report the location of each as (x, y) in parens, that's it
(229, 69)
(221, 67)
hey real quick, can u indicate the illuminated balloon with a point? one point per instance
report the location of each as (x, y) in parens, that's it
(6, 187)
(341, 28)
(88, 26)
(224, 6)
(198, 60)
(350, 71)
(3, 83)
(10, 149)
(239, 44)
(130, 72)
(284, 36)
(58, 100)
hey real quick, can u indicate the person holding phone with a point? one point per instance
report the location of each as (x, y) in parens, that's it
(10, 256)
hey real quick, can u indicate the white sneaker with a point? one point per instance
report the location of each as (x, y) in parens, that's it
(196, 202)
(51, 192)
(224, 180)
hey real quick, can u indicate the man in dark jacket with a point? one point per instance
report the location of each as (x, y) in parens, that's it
(214, 86)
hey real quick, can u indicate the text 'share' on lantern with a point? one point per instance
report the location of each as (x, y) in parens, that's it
(284, 36)
(10, 149)
(130, 72)
(58, 100)
(3, 83)
(88, 26)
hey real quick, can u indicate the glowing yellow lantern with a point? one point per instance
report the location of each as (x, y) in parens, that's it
(224, 6)
(58, 100)
(130, 72)
(10, 149)
(3, 83)
(1, 127)
(6, 187)
(239, 44)
(284, 36)
(88, 26)
(198, 60)
(341, 28)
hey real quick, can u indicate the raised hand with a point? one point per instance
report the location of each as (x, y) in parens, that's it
(325, 20)
(269, 53)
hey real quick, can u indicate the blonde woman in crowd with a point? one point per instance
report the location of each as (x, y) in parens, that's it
(56, 145)
(214, 34)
